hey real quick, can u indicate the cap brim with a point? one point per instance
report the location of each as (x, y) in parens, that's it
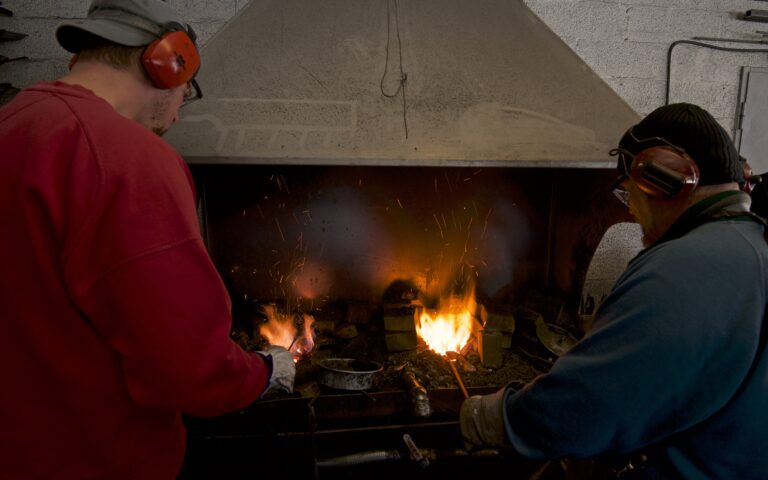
(71, 35)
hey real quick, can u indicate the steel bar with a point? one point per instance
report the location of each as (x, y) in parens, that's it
(458, 378)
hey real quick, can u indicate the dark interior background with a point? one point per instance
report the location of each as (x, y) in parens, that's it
(309, 236)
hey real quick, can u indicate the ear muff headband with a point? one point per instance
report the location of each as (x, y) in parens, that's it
(664, 171)
(172, 59)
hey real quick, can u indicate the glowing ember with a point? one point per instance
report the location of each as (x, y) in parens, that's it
(450, 328)
(280, 329)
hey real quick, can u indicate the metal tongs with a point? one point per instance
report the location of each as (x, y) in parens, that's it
(451, 357)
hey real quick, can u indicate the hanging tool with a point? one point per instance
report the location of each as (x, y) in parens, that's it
(8, 36)
(5, 12)
(4, 59)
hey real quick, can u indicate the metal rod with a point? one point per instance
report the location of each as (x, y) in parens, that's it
(458, 378)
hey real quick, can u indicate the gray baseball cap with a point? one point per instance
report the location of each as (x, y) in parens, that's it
(133, 23)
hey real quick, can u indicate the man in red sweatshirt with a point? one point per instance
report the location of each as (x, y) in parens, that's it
(114, 319)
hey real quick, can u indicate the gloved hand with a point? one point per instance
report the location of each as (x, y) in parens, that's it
(283, 368)
(482, 421)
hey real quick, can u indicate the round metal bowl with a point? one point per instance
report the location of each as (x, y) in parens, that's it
(348, 373)
(555, 338)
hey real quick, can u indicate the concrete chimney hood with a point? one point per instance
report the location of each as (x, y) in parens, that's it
(488, 84)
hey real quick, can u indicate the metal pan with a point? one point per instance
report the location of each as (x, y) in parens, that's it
(348, 373)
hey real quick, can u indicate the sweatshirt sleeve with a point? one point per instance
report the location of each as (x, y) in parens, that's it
(166, 314)
(137, 268)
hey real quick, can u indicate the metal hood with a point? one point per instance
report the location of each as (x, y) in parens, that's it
(319, 82)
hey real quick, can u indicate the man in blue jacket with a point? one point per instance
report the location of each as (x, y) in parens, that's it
(673, 376)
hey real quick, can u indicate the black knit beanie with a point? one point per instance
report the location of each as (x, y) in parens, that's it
(694, 130)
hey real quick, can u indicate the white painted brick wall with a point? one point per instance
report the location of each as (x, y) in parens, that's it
(624, 41)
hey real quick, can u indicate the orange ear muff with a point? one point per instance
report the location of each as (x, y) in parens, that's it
(664, 171)
(171, 60)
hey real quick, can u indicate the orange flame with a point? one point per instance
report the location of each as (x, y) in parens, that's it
(280, 329)
(451, 326)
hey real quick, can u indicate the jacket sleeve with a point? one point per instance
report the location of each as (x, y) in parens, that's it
(167, 316)
(658, 361)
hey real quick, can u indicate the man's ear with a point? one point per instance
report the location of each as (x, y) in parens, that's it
(72, 61)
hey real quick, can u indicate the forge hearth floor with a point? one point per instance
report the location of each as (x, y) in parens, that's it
(433, 371)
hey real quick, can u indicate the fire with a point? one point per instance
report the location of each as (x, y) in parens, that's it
(280, 329)
(450, 327)
(305, 342)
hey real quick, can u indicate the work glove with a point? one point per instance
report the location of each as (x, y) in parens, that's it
(283, 367)
(482, 421)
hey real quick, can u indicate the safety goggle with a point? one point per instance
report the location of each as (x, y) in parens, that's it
(192, 93)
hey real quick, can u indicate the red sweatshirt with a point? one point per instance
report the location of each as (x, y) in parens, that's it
(113, 319)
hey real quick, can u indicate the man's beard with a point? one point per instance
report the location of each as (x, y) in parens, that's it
(159, 112)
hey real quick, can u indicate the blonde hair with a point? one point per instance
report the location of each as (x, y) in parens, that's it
(118, 56)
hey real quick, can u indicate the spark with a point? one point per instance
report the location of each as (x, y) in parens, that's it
(401, 205)
(279, 229)
(469, 234)
(439, 227)
(485, 225)
(285, 184)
